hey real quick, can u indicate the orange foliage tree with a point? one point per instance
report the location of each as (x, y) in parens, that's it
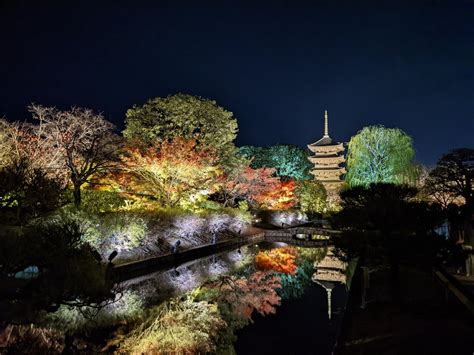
(175, 173)
(279, 260)
(281, 197)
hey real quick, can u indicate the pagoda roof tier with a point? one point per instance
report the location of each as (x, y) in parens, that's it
(340, 170)
(334, 147)
(328, 275)
(337, 159)
(329, 180)
(326, 167)
(326, 140)
(330, 261)
(332, 185)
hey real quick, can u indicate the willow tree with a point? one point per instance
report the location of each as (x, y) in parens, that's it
(380, 155)
(186, 116)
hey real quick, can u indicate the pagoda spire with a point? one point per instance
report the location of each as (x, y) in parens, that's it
(326, 129)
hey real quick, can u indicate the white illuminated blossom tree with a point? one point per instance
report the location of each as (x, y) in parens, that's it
(25, 142)
(84, 141)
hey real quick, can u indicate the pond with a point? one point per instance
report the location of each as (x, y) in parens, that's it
(266, 298)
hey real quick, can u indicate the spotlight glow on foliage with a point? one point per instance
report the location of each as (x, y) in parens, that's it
(378, 154)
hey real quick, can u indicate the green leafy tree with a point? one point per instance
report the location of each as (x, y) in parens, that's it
(312, 196)
(289, 161)
(380, 155)
(186, 116)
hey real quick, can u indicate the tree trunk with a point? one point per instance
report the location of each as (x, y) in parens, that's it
(77, 195)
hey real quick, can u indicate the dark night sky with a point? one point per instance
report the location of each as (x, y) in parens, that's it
(276, 64)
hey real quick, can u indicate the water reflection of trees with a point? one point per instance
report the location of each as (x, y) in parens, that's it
(185, 296)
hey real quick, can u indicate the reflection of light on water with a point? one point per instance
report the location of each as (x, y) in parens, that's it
(328, 286)
(184, 279)
(319, 237)
(235, 256)
(218, 268)
(191, 275)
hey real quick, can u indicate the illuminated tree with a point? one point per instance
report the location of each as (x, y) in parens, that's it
(6, 143)
(30, 180)
(190, 117)
(378, 154)
(24, 142)
(175, 173)
(311, 196)
(280, 198)
(83, 139)
(289, 161)
(245, 183)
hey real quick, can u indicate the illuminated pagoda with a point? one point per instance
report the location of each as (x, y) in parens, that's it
(328, 160)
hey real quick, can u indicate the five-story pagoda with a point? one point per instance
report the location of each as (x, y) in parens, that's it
(328, 160)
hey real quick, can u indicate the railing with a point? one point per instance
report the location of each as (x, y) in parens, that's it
(453, 286)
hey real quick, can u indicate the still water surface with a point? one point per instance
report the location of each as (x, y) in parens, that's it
(302, 325)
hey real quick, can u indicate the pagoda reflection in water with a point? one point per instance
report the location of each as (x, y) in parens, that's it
(328, 273)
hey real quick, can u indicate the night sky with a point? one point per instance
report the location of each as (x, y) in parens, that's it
(276, 64)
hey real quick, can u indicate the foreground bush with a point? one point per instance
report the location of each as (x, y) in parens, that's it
(177, 327)
(21, 339)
